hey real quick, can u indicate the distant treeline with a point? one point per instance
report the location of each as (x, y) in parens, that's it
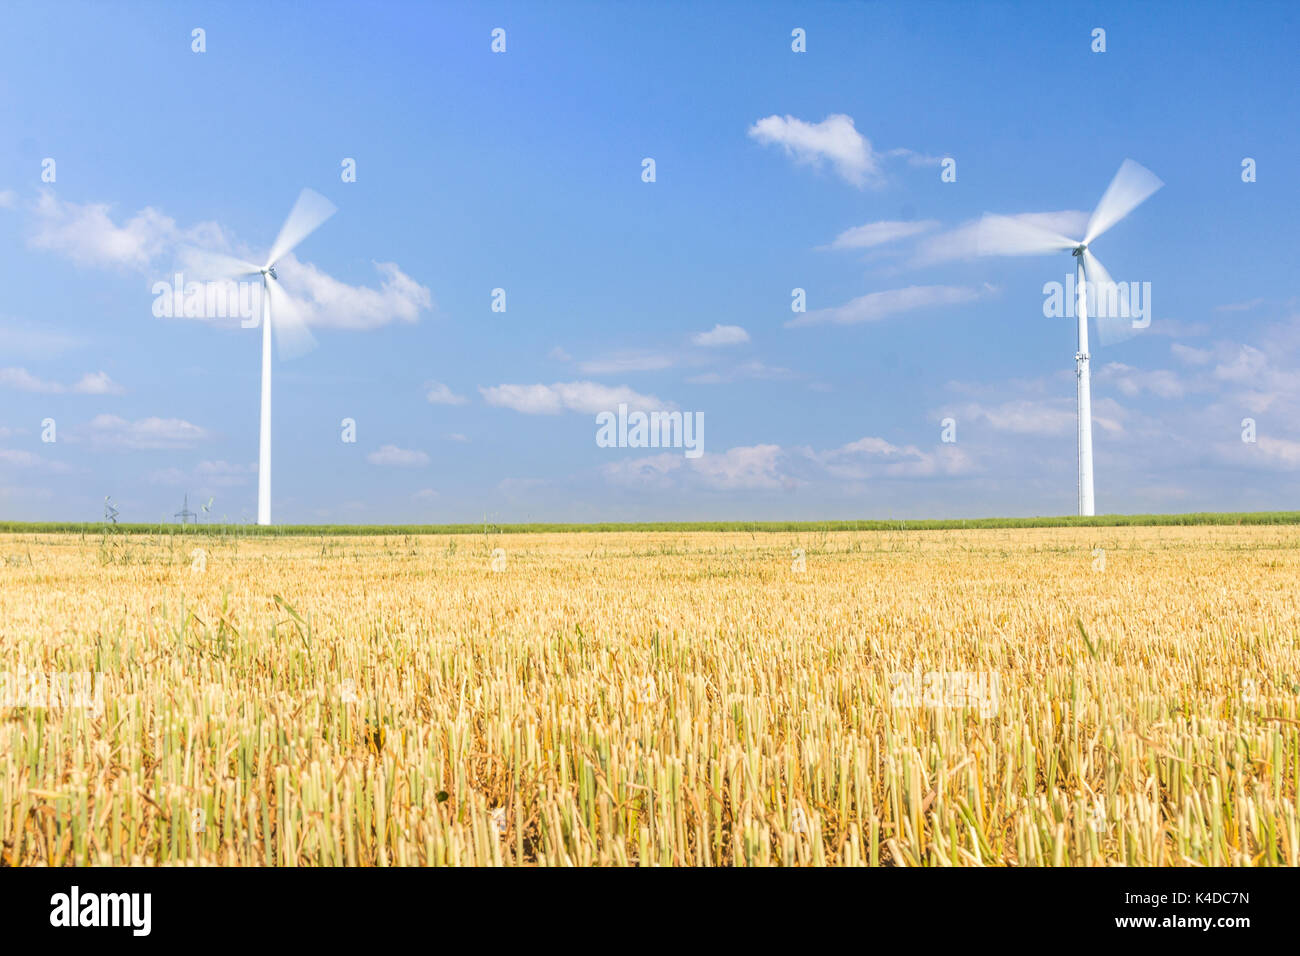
(941, 524)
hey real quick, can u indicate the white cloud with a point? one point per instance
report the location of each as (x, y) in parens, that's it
(1191, 356)
(97, 383)
(7, 198)
(87, 235)
(1133, 382)
(1055, 416)
(1281, 453)
(326, 302)
(1245, 366)
(25, 459)
(875, 457)
(144, 433)
(206, 475)
(880, 233)
(770, 467)
(92, 383)
(971, 239)
(425, 494)
(224, 474)
(25, 381)
(559, 355)
(651, 471)
(439, 394)
(1021, 416)
(585, 397)
(1240, 306)
(1267, 453)
(746, 370)
(721, 335)
(834, 139)
(627, 362)
(392, 456)
(878, 305)
(916, 159)
(756, 467)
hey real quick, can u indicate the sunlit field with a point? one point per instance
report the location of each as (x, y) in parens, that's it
(1064, 697)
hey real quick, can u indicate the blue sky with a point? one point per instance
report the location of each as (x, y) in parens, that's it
(522, 170)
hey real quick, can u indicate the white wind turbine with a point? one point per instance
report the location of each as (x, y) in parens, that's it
(291, 332)
(1021, 236)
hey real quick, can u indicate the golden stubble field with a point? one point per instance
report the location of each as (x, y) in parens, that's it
(910, 698)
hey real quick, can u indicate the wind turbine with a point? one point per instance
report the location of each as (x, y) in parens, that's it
(291, 332)
(1023, 236)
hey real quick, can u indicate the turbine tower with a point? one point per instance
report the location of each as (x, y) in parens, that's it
(291, 332)
(1028, 235)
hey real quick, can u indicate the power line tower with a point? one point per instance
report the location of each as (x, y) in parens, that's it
(185, 514)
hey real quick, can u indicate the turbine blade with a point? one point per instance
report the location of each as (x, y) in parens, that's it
(1107, 302)
(1129, 189)
(207, 265)
(1018, 236)
(292, 337)
(307, 214)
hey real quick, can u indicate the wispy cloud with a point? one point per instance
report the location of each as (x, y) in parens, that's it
(1240, 306)
(973, 238)
(327, 302)
(1191, 356)
(770, 467)
(440, 394)
(834, 140)
(97, 383)
(25, 381)
(150, 241)
(746, 370)
(112, 431)
(1132, 382)
(585, 397)
(207, 475)
(394, 457)
(879, 305)
(623, 362)
(879, 233)
(17, 458)
(92, 383)
(754, 467)
(86, 233)
(916, 159)
(721, 335)
(875, 457)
